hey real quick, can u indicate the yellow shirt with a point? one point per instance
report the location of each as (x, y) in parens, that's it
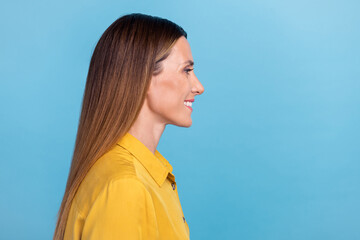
(129, 193)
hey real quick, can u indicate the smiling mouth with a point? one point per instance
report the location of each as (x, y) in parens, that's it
(188, 104)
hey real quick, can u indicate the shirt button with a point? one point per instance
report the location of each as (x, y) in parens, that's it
(173, 185)
(183, 218)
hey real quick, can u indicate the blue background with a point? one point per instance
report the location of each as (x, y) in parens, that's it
(273, 152)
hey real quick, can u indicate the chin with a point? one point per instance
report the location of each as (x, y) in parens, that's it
(187, 124)
(184, 123)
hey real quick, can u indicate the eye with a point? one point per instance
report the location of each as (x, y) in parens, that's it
(187, 70)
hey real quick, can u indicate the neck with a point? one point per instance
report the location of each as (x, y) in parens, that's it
(147, 130)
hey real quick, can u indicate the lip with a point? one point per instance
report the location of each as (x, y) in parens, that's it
(190, 100)
(189, 107)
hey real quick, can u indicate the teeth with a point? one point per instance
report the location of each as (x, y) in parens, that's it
(188, 103)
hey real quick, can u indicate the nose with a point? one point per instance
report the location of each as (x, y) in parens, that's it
(197, 86)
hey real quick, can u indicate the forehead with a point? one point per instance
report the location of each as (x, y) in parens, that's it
(181, 51)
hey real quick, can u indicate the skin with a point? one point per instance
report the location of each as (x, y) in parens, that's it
(164, 102)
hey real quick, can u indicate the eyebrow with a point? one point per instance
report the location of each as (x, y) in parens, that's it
(189, 63)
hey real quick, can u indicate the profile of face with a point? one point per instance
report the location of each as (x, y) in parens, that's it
(170, 95)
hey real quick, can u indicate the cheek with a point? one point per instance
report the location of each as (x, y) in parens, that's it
(167, 95)
(170, 89)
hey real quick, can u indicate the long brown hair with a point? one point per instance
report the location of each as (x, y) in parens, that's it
(127, 55)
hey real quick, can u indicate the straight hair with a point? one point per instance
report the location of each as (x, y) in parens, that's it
(127, 55)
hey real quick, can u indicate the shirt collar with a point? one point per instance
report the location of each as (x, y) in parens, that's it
(156, 164)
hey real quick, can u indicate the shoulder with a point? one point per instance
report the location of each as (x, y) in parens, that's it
(117, 162)
(113, 172)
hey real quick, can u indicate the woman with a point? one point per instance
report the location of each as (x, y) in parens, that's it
(120, 187)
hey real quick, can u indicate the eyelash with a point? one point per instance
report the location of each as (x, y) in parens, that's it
(188, 70)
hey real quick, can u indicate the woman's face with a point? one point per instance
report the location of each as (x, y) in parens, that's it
(173, 89)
